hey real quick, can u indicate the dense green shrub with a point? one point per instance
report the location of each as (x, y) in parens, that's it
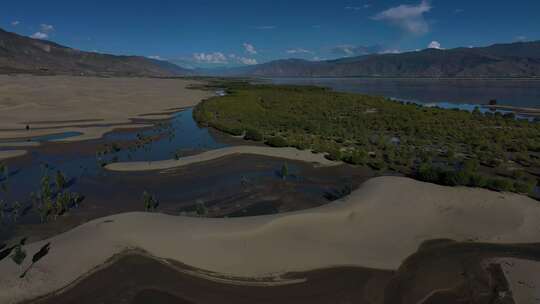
(333, 154)
(500, 184)
(428, 173)
(478, 180)
(356, 157)
(277, 141)
(252, 134)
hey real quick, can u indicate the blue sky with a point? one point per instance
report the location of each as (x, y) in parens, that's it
(222, 33)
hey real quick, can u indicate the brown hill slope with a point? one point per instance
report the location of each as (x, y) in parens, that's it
(20, 54)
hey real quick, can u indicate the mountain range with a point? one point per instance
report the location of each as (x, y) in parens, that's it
(20, 54)
(520, 59)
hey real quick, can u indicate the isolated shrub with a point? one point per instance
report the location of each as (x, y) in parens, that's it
(277, 142)
(252, 134)
(428, 173)
(356, 157)
(478, 180)
(229, 130)
(377, 164)
(500, 184)
(525, 187)
(284, 172)
(201, 209)
(19, 255)
(333, 154)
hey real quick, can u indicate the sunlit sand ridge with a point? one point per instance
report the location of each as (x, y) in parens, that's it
(377, 226)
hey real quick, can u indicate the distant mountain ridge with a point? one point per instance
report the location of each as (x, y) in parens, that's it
(520, 59)
(20, 54)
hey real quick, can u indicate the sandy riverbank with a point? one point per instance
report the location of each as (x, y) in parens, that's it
(378, 226)
(285, 153)
(90, 105)
(523, 277)
(533, 112)
(11, 153)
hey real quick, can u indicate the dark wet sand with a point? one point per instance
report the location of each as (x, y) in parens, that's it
(440, 272)
(220, 188)
(139, 279)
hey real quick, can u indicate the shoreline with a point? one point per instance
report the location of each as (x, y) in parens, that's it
(526, 111)
(379, 226)
(7, 154)
(285, 153)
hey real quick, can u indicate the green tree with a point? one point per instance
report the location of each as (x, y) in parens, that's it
(284, 172)
(201, 209)
(16, 211)
(60, 181)
(18, 255)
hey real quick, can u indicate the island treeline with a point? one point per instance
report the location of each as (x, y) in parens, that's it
(450, 147)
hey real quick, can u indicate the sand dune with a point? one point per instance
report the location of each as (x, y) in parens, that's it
(378, 226)
(285, 153)
(57, 103)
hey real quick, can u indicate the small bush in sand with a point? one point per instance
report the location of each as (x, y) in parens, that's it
(18, 255)
(150, 202)
(60, 181)
(201, 208)
(284, 172)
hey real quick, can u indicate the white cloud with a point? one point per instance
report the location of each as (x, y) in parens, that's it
(520, 38)
(43, 33)
(156, 57)
(15, 23)
(249, 48)
(214, 58)
(220, 58)
(434, 45)
(298, 51)
(347, 50)
(243, 60)
(247, 61)
(39, 35)
(46, 28)
(409, 18)
(390, 51)
(357, 8)
(266, 27)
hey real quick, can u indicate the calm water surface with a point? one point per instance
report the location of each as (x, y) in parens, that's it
(522, 93)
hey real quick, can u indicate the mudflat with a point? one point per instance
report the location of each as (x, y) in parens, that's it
(90, 105)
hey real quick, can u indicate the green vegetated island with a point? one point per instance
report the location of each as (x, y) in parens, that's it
(449, 147)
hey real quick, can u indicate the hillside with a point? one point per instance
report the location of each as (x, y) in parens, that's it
(501, 60)
(20, 54)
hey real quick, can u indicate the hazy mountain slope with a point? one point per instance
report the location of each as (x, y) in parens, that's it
(19, 54)
(501, 60)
